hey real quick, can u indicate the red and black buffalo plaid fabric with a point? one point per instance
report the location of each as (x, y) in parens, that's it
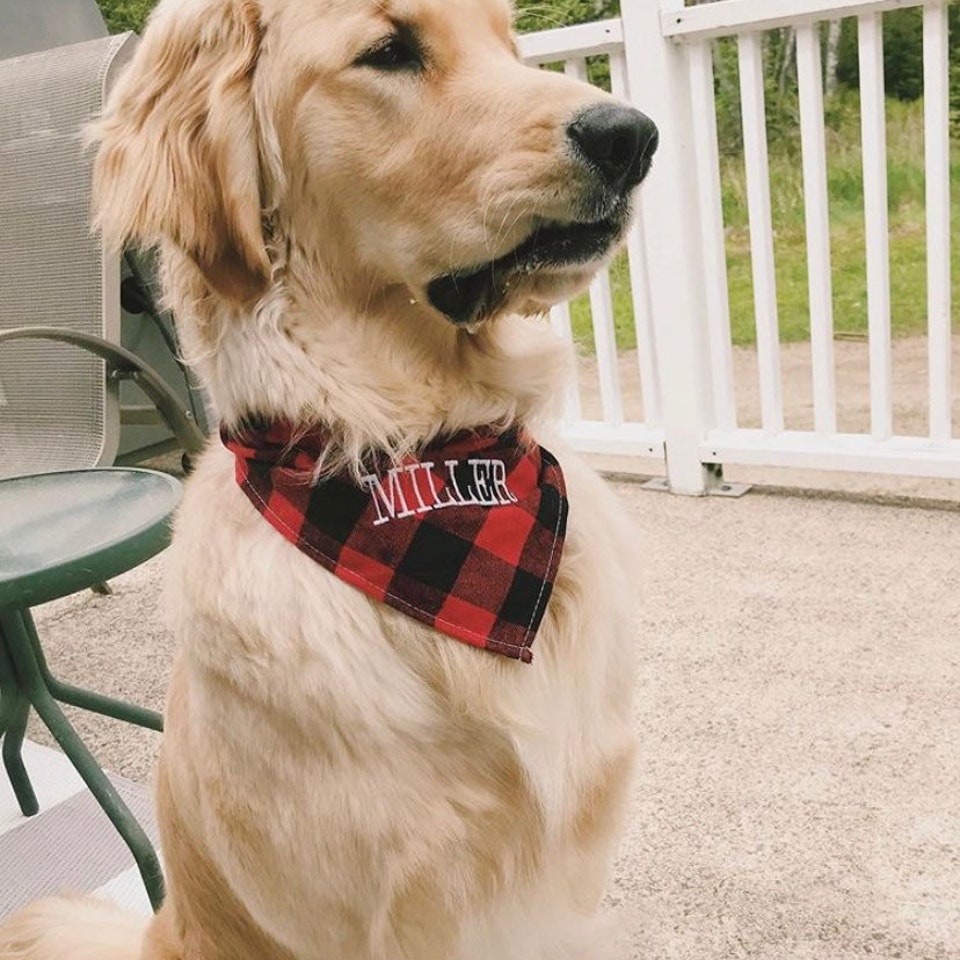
(465, 537)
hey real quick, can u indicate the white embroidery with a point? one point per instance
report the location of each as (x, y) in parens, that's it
(487, 488)
(412, 470)
(500, 482)
(388, 498)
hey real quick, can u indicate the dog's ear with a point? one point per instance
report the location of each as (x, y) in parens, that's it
(177, 159)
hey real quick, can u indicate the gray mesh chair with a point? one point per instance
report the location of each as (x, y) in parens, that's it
(59, 405)
(45, 24)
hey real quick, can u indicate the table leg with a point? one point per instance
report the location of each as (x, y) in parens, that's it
(14, 709)
(16, 628)
(88, 699)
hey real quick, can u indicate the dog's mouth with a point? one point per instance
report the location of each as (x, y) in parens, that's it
(470, 296)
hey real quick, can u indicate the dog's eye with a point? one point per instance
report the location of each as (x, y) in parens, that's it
(393, 53)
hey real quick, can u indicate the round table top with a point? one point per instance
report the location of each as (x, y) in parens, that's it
(61, 532)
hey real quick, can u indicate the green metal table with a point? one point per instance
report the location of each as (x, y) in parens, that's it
(60, 533)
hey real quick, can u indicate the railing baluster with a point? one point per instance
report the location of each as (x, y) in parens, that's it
(639, 278)
(761, 230)
(605, 342)
(619, 86)
(560, 323)
(576, 67)
(714, 239)
(643, 323)
(601, 313)
(936, 94)
(874, 128)
(810, 79)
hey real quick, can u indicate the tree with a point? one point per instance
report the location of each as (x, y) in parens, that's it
(833, 56)
(123, 15)
(902, 54)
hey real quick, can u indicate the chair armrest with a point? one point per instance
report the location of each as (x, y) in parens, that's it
(122, 362)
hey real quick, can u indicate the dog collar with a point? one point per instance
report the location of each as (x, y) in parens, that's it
(466, 536)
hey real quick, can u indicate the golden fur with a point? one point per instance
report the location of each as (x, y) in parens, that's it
(338, 781)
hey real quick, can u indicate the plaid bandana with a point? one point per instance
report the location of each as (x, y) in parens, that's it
(465, 537)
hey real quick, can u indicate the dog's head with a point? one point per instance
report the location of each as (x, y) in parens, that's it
(393, 144)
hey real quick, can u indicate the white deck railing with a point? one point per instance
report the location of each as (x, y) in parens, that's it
(621, 429)
(661, 58)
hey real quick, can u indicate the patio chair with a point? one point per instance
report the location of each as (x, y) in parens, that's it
(67, 522)
(61, 295)
(45, 24)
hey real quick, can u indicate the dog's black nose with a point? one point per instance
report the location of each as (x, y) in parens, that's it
(620, 141)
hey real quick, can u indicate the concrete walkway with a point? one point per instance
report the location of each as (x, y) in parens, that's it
(799, 711)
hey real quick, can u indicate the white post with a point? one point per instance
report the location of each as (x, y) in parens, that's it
(936, 98)
(817, 210)
(601, 313)
(762, 255)
(660, 85)
(710, 196)
(873, 120)
(639, 279)
(563, 328)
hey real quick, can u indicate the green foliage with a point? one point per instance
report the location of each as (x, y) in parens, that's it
(780, 91)
(902, 56)
(902, 53)
(727, 84)
(955, 94)
(122, 15)
(905, 189)
(546, 14)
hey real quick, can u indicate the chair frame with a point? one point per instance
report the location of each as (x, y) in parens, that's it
(122, 364)
(25, 682)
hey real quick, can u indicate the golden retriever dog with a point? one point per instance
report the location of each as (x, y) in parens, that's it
(363, 210)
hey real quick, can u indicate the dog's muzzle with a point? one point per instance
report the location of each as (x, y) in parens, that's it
(617, 144)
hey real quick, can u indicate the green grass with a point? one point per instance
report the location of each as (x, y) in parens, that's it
(848, 243)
